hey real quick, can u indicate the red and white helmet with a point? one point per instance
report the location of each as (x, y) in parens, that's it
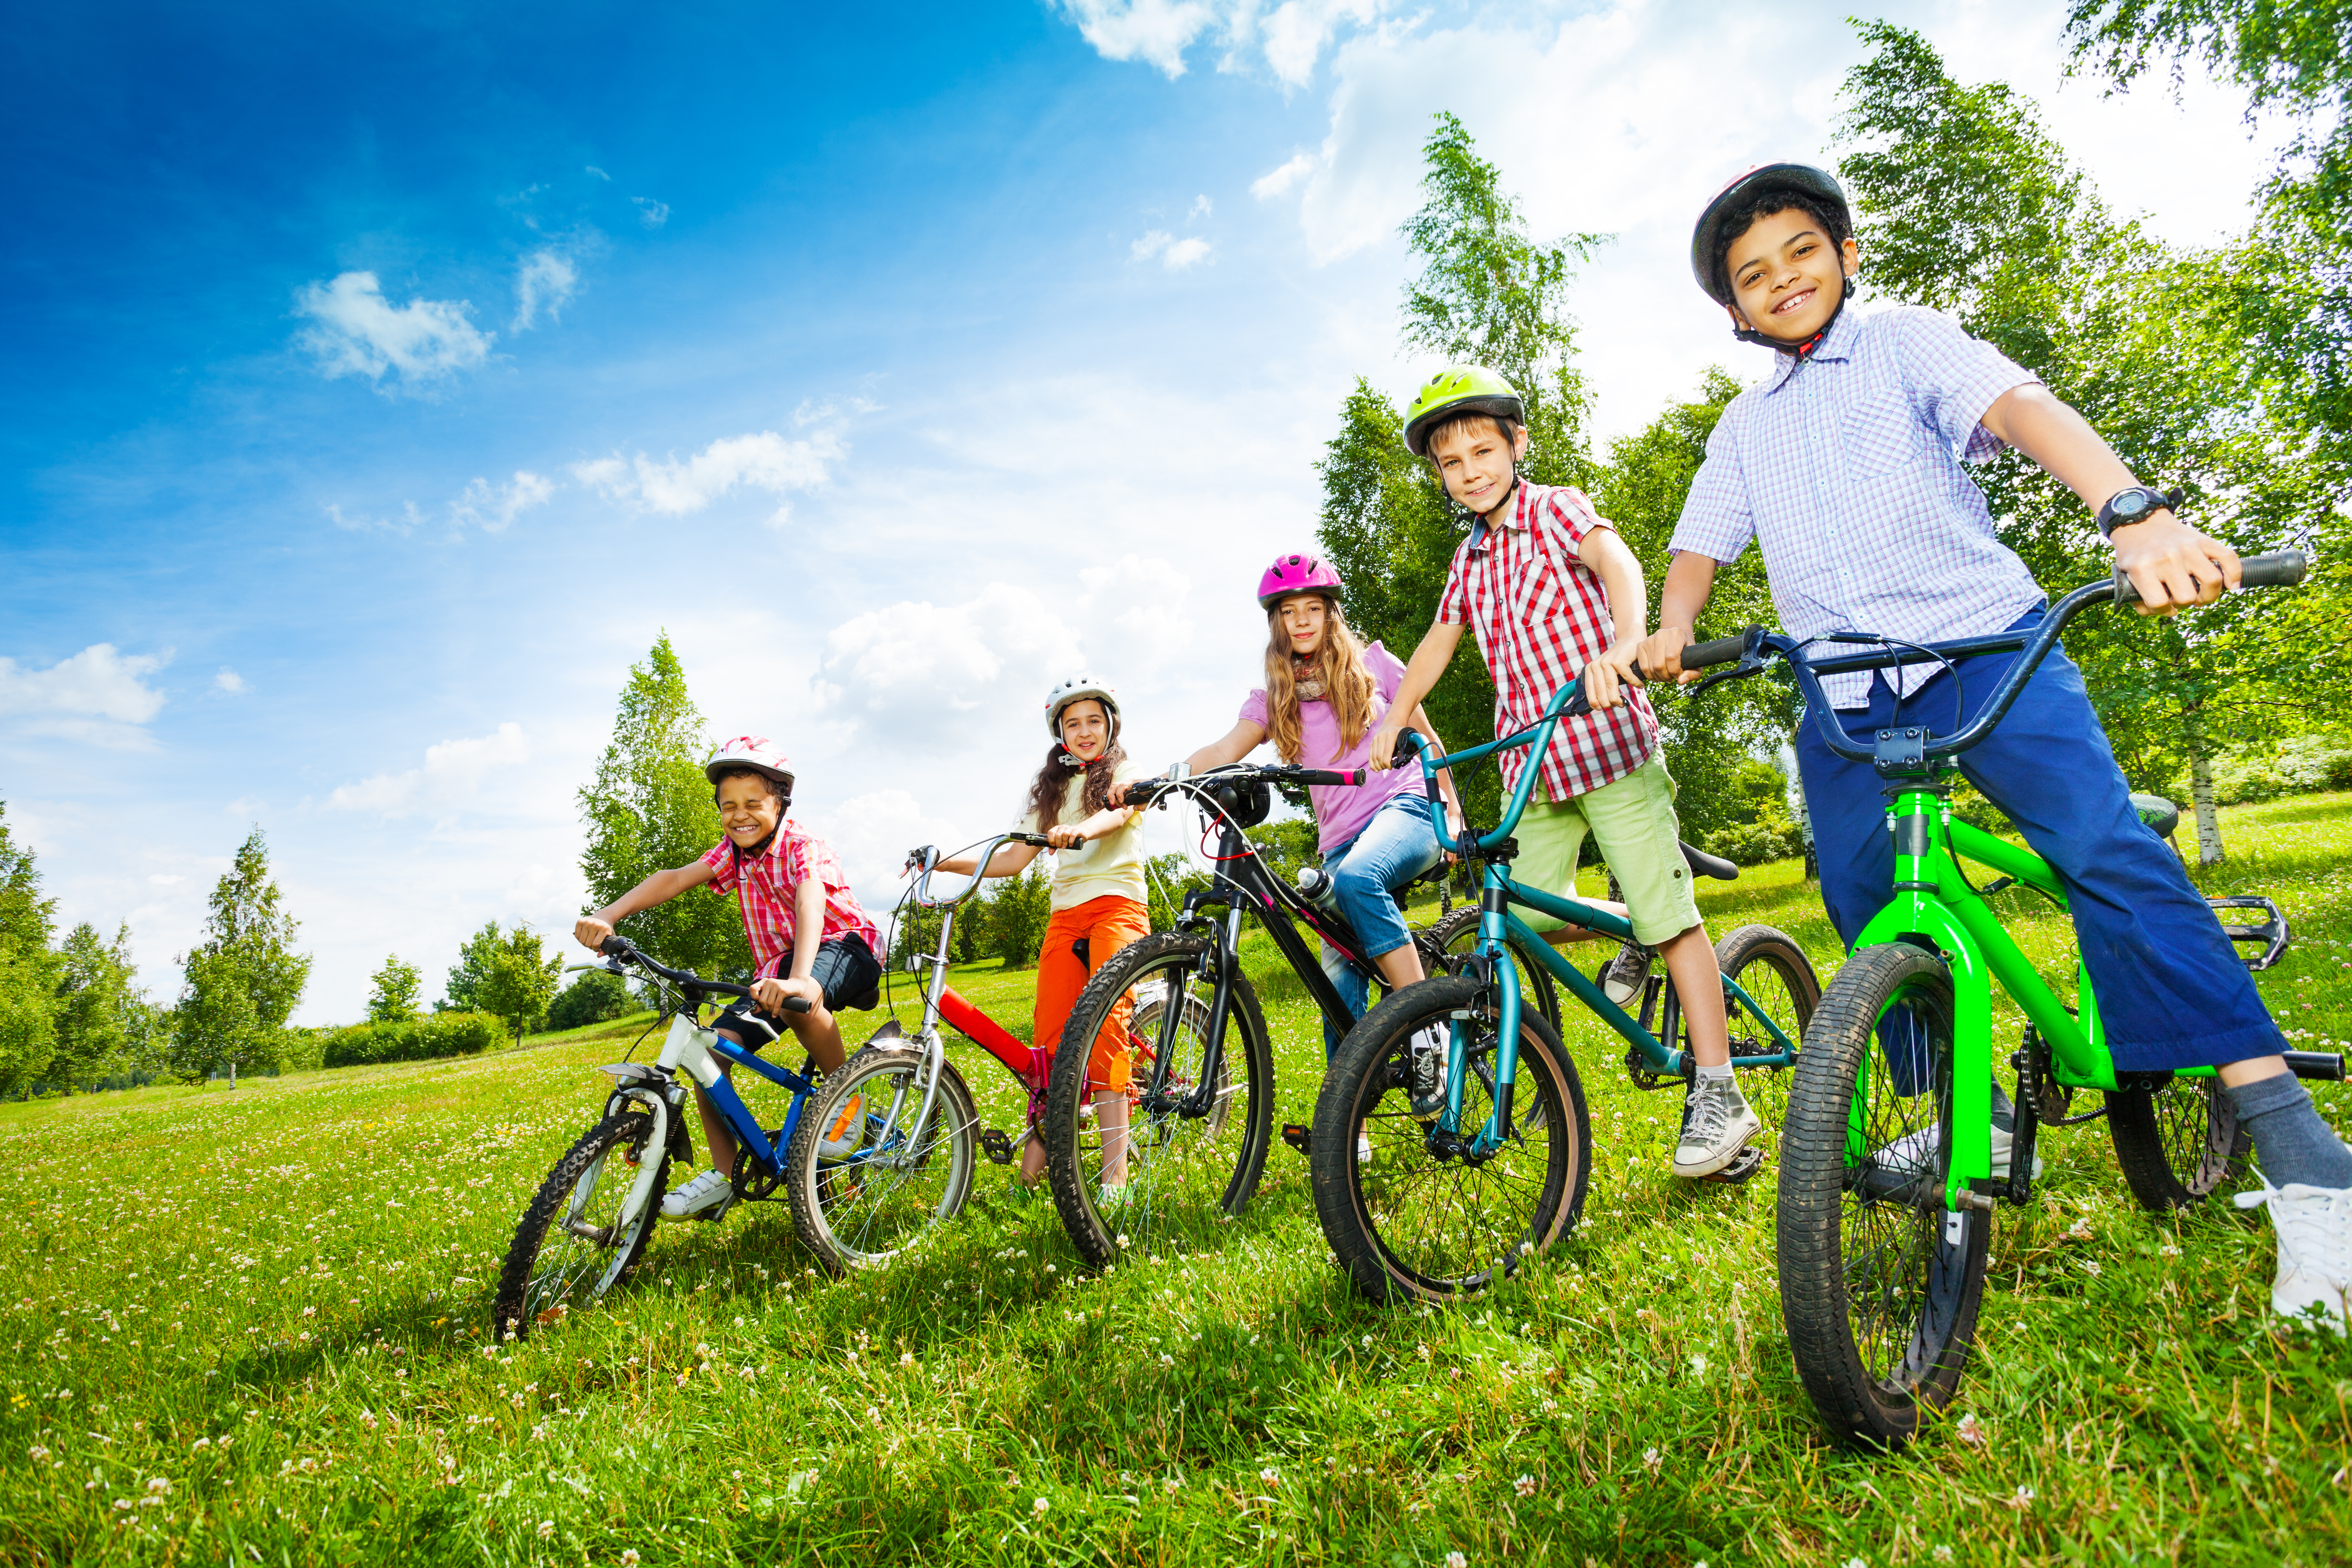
(756, 753)
(1296, 574)
(1073, 689)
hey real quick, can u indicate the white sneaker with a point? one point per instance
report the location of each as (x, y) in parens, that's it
(1917, 1150)
(2314, 1250)
(708, 1190)
(1720, 1124)
(1625, 974)
(846, 1134)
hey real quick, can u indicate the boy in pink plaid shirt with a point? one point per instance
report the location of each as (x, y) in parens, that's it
(809, 938)
(1552, 592)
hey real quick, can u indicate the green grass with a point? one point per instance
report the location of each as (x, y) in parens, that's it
(251, 1326)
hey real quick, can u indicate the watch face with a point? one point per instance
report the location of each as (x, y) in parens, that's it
(2132, 505)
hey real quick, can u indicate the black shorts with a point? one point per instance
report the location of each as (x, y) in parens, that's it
(845, 970)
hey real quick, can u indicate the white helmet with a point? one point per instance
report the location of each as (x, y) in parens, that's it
(756, 753)
(1072, 691)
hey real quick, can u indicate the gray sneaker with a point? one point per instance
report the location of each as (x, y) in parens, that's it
(1425, 1069)
(1624, 976)
(1719, 1126)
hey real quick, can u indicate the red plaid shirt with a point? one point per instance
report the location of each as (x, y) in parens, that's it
(1541, 615)
(771, 880)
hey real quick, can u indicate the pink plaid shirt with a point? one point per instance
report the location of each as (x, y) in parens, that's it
(1541, 615)
(769, 882)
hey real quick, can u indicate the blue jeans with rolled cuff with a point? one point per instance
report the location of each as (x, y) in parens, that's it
(2172, 991)
(1367, 872)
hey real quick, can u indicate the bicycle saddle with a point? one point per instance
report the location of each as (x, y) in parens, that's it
(2157, 813)
(1703, 864)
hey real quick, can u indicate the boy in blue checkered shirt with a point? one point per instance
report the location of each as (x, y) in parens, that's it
(1846, 468)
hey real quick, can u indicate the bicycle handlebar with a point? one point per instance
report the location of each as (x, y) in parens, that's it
(2274, 569)
(623, 950)
(1722, 650)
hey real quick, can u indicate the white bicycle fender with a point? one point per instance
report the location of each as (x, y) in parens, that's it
(649, 1168)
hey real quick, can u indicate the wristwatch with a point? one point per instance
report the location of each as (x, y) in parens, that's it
(2134, 504)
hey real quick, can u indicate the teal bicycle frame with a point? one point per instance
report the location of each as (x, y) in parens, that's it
(1499, 928)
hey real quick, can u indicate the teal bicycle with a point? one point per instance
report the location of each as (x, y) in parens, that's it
(1424, 1200)
(1887, 1196)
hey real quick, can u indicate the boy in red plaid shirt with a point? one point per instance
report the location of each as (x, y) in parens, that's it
(1553, 591)
(809, 938)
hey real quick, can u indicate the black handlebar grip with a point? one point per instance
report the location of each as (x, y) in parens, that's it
(1408, 752)
(1722, 650)
(796, 1003)
(2271, 569)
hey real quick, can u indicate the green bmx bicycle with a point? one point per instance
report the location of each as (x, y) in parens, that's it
(1886, 1192)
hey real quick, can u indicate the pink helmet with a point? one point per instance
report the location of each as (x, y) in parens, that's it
(1296, 574)
(756, 753)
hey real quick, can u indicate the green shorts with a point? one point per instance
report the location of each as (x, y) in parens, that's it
(1631, 819)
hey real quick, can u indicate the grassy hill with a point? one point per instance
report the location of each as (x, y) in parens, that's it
(252, 1326)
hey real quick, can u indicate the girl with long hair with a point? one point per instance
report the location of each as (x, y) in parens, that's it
(1325, 693)
(1098, 898)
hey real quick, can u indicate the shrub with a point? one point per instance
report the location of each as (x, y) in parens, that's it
(429, 1038)
(594, 998)
(1770, 838)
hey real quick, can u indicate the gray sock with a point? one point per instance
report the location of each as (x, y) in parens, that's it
(2294, 1143)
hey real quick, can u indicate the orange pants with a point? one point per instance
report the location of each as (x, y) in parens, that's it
(1106, 924)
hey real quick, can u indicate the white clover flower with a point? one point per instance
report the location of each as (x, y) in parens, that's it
(547, 1530)
(1270, 1476)
(1525, 1486)
(1455, 1560)
(1038, 1507)
(629, 1558)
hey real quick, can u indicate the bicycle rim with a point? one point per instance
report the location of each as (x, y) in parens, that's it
(571, 1248)
(868, 1180)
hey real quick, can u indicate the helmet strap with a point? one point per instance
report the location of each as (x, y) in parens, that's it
(1800, 351)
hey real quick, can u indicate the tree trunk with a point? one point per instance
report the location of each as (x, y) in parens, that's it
(2201, 788)
(232, 1072)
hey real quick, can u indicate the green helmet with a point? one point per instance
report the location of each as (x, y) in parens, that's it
(1458, 389)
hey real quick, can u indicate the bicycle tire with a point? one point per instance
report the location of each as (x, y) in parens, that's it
(535, 1288)
(1445, 945)
(1880, 1294)
(2177, 1140)
(862, 1211)
(1182, 1171)
(1548, 1166)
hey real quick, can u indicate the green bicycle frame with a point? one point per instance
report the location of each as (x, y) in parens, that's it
(1935, 907)
(1496, 924)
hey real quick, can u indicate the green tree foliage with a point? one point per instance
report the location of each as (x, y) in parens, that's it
(1966, 205)
(245, 978)
(650, 809)
(596, 998)
(97, 1007)
(1018, 908)
(29, 968)
(398, 987)
(1489, 294)
(520, 981)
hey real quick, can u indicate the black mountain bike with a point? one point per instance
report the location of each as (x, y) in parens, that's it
(1200, 1116)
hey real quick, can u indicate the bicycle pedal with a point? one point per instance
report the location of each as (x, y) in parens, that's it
(997, 1145)
(1743, 1167)
(1296, 1136)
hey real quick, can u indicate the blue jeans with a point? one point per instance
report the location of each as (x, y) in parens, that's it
(2172, 991)
(1396, 846)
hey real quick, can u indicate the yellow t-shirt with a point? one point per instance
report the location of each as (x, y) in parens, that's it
(1101, 866)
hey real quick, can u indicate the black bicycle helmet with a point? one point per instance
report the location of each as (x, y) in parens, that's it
(1708, 240)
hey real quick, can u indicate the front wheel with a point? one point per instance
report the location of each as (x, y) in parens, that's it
(1445, 949)
(867, 1174)
(1185, 1144)
(1410, 1220)
(572, 1245)
(1879, 1282)
(2177, 1139)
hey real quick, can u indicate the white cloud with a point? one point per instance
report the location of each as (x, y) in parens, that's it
(453, 773)
(355, 330)
(1289, 38)
(1274, 182)
(760, 461)
(600, 173)
(653, 214)
(98, 697)
(492, 508)
(1202, 208)
(1174, 254)
(545, 281)
(230, 681)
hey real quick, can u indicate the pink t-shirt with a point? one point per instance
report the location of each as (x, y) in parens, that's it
(1341, 810)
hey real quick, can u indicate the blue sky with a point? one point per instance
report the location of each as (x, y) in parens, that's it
(380, 385)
